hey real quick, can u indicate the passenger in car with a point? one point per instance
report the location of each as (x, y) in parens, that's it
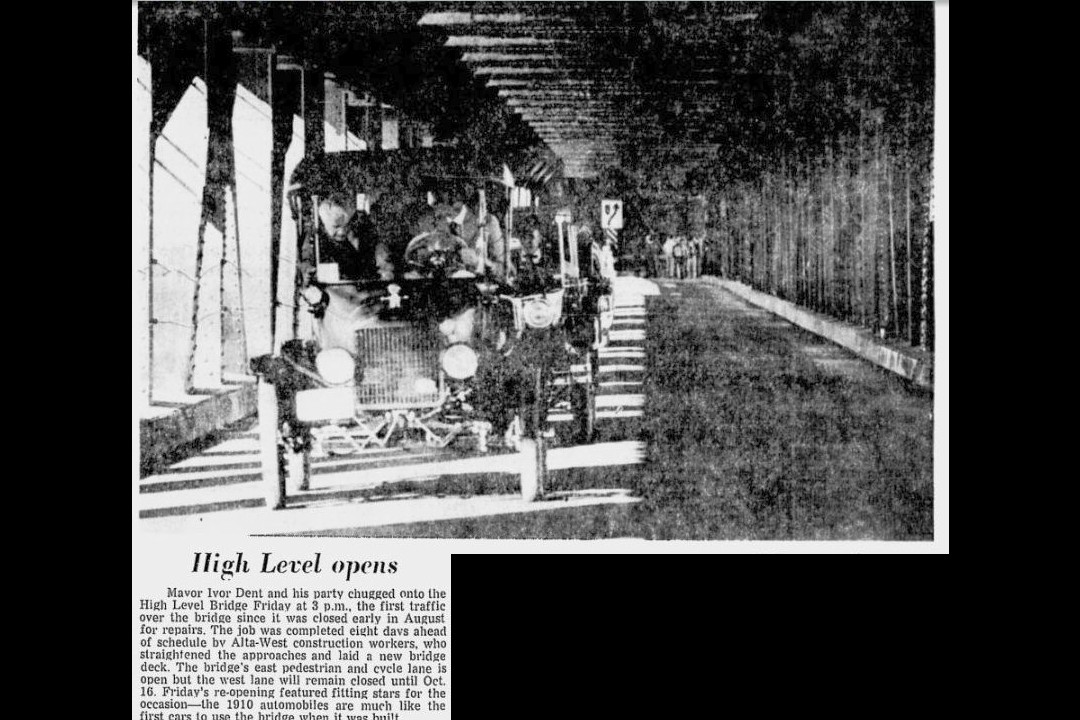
(347, 238)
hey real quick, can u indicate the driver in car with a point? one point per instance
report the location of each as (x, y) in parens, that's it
(484, 240)
(435, 250)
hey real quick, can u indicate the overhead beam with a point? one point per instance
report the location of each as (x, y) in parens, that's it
(506, 70)
(658, 82)
(443, 19)
(566, 118)
(563, 99)
(572, 108)
(597, 72)
(567, 121)
(618, 101)
(702, 63)
(614, 121)
(542, 86)
(511, 57)
(597, 95)
(526, 82)
(483, 41)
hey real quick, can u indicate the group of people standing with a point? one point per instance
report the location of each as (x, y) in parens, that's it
(679, 257)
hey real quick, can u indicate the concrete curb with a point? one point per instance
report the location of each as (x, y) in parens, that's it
(914, 364)
(160, 436)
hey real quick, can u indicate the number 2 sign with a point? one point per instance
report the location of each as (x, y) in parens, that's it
(611, 214)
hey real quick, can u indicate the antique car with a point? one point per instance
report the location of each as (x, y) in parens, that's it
(447, 349)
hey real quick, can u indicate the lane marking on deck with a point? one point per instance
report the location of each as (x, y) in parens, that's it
(619, 413)
(211, 461)
(622, 400)
(621, 368)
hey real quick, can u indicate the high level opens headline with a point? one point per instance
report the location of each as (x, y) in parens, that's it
(212, 563)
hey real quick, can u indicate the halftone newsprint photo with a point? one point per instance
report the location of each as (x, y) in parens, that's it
(429, 277)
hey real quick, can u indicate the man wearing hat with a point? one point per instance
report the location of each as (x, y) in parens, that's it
(349, 240)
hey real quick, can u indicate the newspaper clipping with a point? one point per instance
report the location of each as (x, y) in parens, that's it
(420, 278)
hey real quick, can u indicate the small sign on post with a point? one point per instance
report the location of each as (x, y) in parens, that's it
(611, 214)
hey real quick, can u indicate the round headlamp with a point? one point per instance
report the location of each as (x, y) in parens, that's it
(460, 361)
(314, 295)
(538, 313)
(336, 365)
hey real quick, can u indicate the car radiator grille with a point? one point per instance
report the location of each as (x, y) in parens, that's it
(394, 359)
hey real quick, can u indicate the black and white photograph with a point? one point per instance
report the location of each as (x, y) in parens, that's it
(662, 272)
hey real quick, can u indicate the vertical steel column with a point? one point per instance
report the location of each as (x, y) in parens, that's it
(230, 317)
(314, 101)
(277, 187)
(907, 255)
(892, 251)
(860, 255)
(189, 376)
(219, 73)
(881, 302)
(509, 231)
(845, 238)
(222, 309)
(345, 119)
(924, 316)
(313, 92)
(286, 100)
(149, 390)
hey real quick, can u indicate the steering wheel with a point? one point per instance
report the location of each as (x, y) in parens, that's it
(435, 252)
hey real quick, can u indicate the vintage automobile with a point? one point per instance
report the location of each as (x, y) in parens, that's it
(450, 350)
